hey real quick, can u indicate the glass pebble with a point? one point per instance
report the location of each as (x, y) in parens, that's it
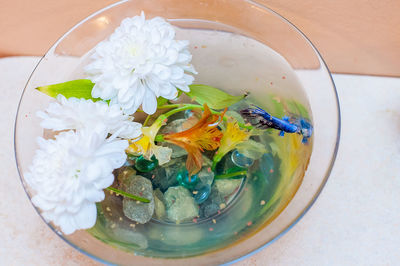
(202, 194)
(206, 176)
(143, 165)
(188, 113)
(241, 160)
(183, 179)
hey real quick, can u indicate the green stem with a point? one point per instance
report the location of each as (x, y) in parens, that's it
(193, 106)
(180, 105)
(159, 138)
(123, 193)
(147, 120)
(168, 106)
(230, 175)
(178, 108)
(214, 163)
(217, 157)
(244, 126)
(187, 106)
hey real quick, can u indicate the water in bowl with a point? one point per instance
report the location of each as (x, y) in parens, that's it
(236, 208)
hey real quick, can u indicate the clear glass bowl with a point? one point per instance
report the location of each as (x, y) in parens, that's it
(236, 45)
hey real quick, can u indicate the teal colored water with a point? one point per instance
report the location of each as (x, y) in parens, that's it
(268, 187)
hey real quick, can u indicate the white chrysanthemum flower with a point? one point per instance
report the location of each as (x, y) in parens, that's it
(140, 62)
(82, 114)
(69, 174)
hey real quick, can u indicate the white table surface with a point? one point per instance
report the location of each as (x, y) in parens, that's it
(355, 221)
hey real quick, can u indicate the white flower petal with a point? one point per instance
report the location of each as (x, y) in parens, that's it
(149, 102)
(86, 217)
(104, 182)
(68, 175)
(80, 114)
(66, 224)
(140, 55)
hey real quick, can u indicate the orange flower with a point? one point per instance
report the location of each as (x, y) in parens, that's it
(204, 135)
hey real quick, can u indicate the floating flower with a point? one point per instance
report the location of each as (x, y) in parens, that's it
(82, 114)
(140, 62)
(204, 135)
(145, 145)
(69, 174)
(232, 136)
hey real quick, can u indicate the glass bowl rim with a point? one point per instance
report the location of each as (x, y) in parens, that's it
(278, 235)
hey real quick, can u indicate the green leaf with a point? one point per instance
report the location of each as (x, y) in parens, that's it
(274, 148)
(251, 149)
(213, 97)
(298, 108)
(302, 110)
(278, 107)
(236, 116)
(161, 101)
(80, 88)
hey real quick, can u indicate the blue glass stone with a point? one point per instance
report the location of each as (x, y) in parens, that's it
(143, 165)
(183, 179)
(240, 160)
(202, 194)
(187, 114)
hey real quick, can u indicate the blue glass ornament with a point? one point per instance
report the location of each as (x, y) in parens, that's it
(143, 165)
(202, 194)
(183, 179)
(240, 160)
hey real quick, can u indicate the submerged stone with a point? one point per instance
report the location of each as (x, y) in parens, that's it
(205, 176)
(176, 150)
(206, 162)
(111, 208)
(181, 235)
(210, 209)
(213, 204)
(158, 178)
(159, 207)
(131, 240)
(164, 176)
(135, 210)
(180, 204)
(174, 166)
(124, 173)
(173, 126)
(157, 193)
(176, 235)
(227, 186)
